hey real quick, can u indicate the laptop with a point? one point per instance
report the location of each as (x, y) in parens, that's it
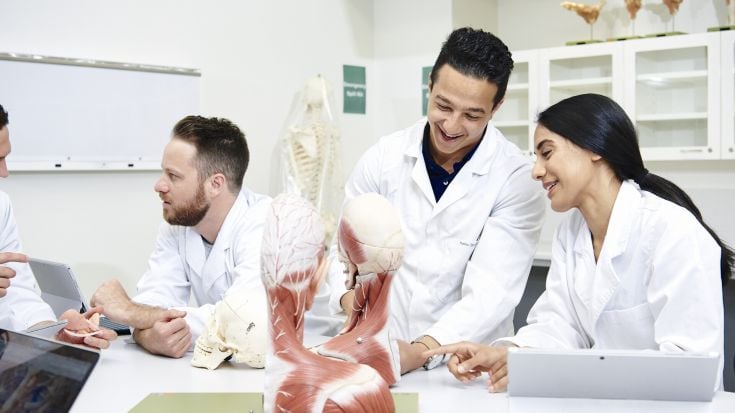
(60, 290)
(41, 375)
(612, 374)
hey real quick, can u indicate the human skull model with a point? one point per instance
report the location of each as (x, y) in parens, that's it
(238, 329)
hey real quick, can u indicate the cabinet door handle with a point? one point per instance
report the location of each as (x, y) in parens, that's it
(693, 150)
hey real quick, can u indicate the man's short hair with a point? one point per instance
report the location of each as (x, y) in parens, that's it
(221, 148)
(3, 117)
(477, 54)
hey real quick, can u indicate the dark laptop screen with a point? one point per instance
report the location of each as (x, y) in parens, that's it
(38, 375)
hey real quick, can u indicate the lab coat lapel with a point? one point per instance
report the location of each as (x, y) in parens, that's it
(418, 174)
(194, 251)
(606, 278)
(478, 165)
(216, 264)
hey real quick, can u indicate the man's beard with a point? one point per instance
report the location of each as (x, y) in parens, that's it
(191, 214)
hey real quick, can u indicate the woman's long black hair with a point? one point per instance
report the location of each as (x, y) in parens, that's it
(598, 124)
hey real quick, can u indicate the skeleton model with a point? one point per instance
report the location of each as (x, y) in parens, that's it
(588, 12)
(372, 250)
(237, 329)
(311, 153)
(299, 380)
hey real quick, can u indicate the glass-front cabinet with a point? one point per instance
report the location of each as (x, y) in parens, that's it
(671, 93)
(727, 89)
(516, 116)
(679, 91)
(569, 71)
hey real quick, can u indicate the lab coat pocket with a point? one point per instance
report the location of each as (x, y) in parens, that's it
(455, 255)
(626, 328)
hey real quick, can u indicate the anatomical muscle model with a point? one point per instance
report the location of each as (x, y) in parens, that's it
(297, 379)
(370, 244)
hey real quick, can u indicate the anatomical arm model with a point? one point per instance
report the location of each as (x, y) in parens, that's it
(293, 265)
(633, 6)
(673, 5)
(370, 245)
(589, 12)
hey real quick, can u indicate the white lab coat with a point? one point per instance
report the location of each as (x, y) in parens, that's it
(467, 257)
(656, 284)
(179, 267)
(22, 306)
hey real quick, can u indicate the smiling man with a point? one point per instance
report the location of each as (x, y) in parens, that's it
(209, 243)
(470, 211)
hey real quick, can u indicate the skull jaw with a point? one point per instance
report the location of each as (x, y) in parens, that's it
(209, 354)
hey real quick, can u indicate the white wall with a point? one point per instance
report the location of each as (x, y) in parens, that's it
(254, 56)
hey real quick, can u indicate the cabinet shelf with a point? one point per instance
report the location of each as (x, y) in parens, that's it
(671, 78)
(580, 83)
(677, 90)
(663, 117)
(517, 87)
(512, 124)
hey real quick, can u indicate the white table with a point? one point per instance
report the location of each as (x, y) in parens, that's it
(126, 374)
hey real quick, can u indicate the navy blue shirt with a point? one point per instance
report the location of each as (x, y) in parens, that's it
(438, 176)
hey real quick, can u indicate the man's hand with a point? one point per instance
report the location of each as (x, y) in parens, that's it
(169, 337)
(119, 307)
(81, 322)
(470, 360)
(112, 297)
(6, 273)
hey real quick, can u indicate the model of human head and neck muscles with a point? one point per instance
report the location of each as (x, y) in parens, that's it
(293, 265)
(370, 244)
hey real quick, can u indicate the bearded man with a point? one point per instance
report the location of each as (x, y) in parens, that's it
(209, 243)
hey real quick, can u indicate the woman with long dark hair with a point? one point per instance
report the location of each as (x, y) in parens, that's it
(634, 266)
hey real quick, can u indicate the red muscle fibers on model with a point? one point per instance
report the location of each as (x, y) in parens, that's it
(297, 379)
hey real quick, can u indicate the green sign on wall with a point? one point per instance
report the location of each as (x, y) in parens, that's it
(425, 72)
(355, 89)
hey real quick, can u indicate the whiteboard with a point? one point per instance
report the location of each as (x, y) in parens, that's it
(70, 114)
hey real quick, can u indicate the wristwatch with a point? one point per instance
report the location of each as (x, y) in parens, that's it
(432, 361)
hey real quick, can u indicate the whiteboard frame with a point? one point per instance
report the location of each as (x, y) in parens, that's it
(107, 164)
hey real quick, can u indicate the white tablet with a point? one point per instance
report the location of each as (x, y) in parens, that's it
(48, 330)
(612, 374)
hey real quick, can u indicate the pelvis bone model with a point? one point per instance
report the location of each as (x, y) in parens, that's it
(293, 265)
(236, 330)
